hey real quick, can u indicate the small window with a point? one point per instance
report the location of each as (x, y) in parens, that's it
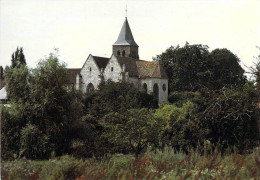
(118, 53)
(145, 87)
(89, 68)
(123, 53)
(164, 87)
(112, 68)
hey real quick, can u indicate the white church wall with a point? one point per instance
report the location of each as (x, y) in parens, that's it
(113, 70)
(163, 93)
(90, 74)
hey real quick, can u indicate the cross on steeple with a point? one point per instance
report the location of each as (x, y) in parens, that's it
(126, 11)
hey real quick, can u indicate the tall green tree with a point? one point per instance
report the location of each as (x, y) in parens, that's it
(18, 58)
(224, 70)
(182, 65)
(192, 67)
(40, 103)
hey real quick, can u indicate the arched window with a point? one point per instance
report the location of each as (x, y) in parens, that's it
(90, 88)
(164, 87)
(156, 90)
(112, 69)
(145, 87)
(123, 53)
(89, 68)
(118, 53)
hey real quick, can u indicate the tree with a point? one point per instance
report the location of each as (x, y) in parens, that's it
(182, 65)
(193, 67)
(255, 71)
(229, 117)
(41, 104)
(132, 130)
(51, 102)
(117, 97)
(224, 69)
(18, 58)
(179, 125)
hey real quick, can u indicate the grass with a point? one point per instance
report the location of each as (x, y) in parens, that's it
(159, 164)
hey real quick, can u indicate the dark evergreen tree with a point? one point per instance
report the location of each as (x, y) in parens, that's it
(18, 58)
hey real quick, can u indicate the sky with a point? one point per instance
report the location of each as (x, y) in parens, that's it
(82, 27)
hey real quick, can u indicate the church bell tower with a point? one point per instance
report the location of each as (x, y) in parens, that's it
(125, 46)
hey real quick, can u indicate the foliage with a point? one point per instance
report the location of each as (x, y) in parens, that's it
(132, 130)
(192, 67)
(179, 125)
(182, 65)
(117, 97)
(179, 98)
(85, 133)
(40, 98)
(10, 134)
(33, 142)
(229, 117)
(16, 80)
(223, 70)
(18, 58)
(159, 164)
(255, 71)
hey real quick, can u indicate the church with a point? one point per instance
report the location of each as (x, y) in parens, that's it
(123, 65)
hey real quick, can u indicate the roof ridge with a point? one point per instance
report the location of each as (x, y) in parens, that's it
(101, 57)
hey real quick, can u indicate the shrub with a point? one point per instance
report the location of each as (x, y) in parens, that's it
(34, 143)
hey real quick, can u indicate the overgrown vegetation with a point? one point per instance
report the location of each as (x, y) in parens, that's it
(160, 164)
(209, 129)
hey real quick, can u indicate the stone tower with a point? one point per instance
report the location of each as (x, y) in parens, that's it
(125, 46)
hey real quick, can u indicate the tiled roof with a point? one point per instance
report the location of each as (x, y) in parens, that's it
(142, 69)
(101, 61)
(73, 74)
(152, 69)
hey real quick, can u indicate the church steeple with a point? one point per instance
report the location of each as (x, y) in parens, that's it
(125, 44)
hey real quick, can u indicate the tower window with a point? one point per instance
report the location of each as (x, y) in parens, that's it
(123, 53)
(89, 68)
(118, 53)
(112, 68)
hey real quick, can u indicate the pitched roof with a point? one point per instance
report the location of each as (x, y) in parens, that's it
(130, 65)
(152, 69)
(73, 74)
(142, 69)
(125, 36)
(101, 61)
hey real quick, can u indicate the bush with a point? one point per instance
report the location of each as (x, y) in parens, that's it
(34, 143)
(179, 125)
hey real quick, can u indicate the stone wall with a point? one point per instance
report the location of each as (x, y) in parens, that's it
(113, 70)
(90, 73)
(162, 85)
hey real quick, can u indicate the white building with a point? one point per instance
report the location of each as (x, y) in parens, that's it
(124, 64)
